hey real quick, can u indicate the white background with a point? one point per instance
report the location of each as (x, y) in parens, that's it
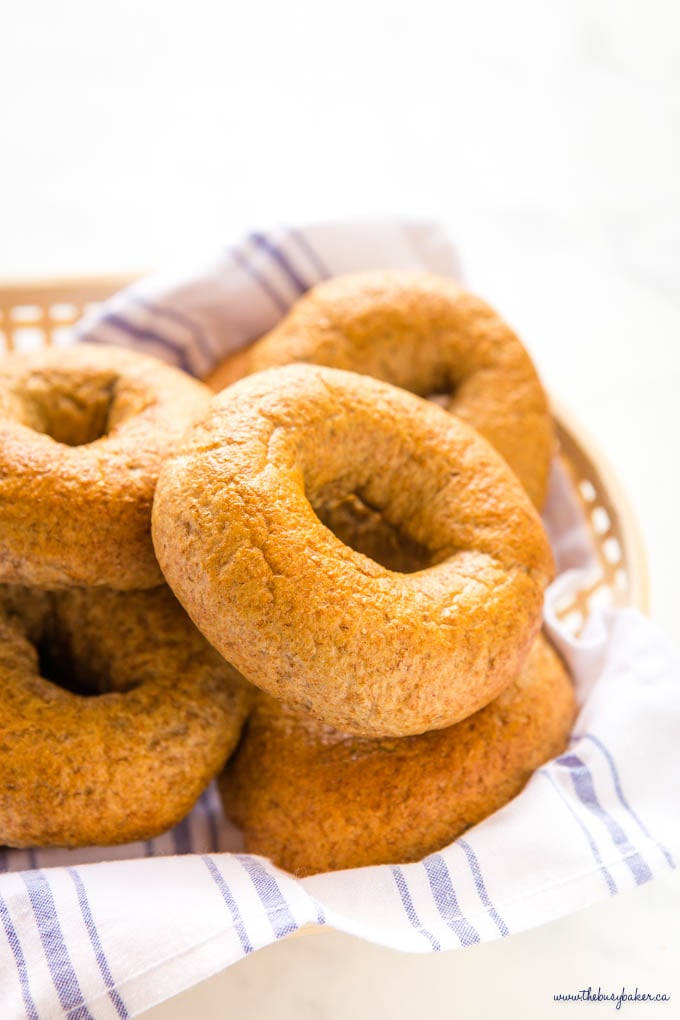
(546, 135)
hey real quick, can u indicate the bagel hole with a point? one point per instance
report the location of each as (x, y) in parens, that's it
(62, 666)
(58, 666)
(71, 413)
(364, 528)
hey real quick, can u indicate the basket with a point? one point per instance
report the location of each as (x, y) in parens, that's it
(38, 312)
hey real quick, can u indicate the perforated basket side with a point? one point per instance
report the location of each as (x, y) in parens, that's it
(35, 312)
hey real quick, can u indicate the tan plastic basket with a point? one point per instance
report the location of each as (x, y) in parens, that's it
(36, 312)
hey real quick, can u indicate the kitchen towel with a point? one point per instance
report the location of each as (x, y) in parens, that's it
(105, 933)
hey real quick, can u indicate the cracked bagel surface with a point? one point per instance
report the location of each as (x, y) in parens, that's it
(238, 530)
(314, 799)
(83, 432)
(115, 714)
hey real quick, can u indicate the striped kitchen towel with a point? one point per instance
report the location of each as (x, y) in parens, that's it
(193, 316)
(106, 933)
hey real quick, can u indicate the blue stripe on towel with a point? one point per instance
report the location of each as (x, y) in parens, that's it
(481, 887)
(197, 332)
(585, 791)
(409, 909)
(18, 954)
(265, 286)
(447, 903)
(56, 953)
(142, 334)
(611, 884)
(232, 906)
(97, 948)
(275, 253)
(273, 900)
(313, 256)
(620, 794)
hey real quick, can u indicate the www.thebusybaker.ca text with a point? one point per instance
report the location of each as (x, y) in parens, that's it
(588, 995)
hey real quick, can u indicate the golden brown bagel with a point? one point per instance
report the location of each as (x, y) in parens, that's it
(428, 335)
(313, 799)
(83, 431)
(237, 527)
(151, 715)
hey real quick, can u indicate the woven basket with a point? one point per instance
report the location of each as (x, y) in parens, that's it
(38, 312)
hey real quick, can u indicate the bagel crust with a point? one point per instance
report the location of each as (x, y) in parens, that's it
(237, 527)
(156, 715)
(83, 432)
(313, 799)
(428, 335)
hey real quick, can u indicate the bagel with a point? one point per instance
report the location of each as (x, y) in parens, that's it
(428, 335)
(115, 714)
(313, 799)
(83, 431)
(238, 530)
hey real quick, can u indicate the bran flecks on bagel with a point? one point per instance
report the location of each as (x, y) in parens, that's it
(428, 335)
(83, 432)
(115, 714)
(313, 799)
(237, 528)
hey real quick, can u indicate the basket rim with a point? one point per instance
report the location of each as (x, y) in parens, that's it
(71, 281)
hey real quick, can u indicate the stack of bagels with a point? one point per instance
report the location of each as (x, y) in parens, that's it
(115, 712)
(352, 525)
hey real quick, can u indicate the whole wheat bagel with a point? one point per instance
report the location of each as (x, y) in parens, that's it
(238, 530)
(314, 799)
(115, 714)
(428, 335)
(83, 432)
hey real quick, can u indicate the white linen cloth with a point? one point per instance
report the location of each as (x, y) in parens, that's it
(108, 933)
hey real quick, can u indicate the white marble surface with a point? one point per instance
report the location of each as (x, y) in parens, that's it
(547, 136)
